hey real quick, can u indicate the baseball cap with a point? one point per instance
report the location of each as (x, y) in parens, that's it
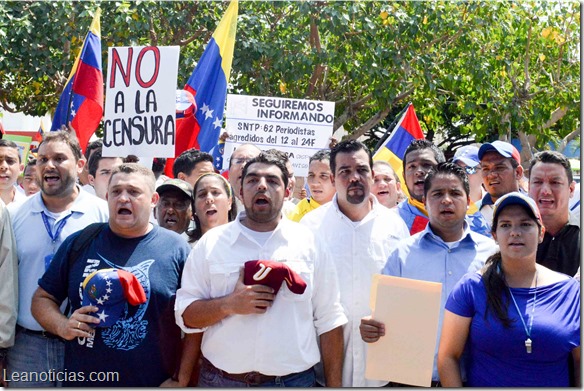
(502, 148)
(176, 183)
(184, 100)
(272, 274)
(469, 155)
(517, 198)
(111, 290)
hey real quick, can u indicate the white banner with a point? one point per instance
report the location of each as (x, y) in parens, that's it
(140, 101)
(297, 127)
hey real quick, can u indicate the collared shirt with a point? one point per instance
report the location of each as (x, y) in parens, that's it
(302, 208)
(359, 250)
(34, 244)
(416, 218)
(8, 280)
(487, 207)
(283, 340)
(425, 256)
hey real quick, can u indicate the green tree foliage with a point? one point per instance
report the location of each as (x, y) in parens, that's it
(477, 69)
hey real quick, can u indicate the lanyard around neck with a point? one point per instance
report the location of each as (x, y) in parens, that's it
(58, 229)
(527, 330)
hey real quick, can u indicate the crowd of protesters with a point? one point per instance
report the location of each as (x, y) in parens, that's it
(230, 280)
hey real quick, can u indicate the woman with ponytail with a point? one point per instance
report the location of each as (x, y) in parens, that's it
(516, 322)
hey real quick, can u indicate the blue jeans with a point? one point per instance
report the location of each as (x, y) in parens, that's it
(34, 360)
(212, 377)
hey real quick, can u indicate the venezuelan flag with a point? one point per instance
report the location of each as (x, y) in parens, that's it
(81, 101)
(393, 149)
(208, 84)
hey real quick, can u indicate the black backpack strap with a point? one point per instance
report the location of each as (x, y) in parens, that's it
(79, 244)
(85, 237)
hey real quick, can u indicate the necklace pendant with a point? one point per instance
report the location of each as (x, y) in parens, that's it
(528, 345)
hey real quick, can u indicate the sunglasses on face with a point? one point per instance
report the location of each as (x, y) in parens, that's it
(471, 170)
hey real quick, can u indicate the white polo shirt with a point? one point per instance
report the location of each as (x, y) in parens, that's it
(284, 339)
(33, 243)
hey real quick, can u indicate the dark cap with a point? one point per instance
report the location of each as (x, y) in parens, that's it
(178, 184)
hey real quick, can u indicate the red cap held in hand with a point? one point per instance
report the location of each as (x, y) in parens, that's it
(272, 273)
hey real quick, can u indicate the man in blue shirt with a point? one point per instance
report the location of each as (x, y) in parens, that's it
(444, 251)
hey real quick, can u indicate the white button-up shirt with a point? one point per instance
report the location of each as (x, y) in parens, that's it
(284, 339)
(359, 250)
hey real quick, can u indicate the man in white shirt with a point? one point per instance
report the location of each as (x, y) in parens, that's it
(253, 336)
(359, 233)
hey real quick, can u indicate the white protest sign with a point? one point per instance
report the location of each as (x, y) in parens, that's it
(297, 127)
(140, 101)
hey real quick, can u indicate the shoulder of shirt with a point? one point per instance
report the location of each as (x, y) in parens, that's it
(172, 238)
(222, 233)
(23, 208)
(87, 199)
(317, 215)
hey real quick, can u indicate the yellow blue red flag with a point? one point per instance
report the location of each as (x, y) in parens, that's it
(393, 149)
(208, 84)
(81, 101)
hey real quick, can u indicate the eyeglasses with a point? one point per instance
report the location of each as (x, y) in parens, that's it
(471, 170)
(176, 205)
(241, 160)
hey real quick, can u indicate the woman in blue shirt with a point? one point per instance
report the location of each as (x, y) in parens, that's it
(516, 321)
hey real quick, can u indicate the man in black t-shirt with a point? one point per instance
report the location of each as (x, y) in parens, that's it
(551, 185)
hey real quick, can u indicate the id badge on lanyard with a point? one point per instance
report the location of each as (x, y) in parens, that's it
(54, 236)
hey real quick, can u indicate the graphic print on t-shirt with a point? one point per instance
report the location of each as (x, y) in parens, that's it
(130, 330)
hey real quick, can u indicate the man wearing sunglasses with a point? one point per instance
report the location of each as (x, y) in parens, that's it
(467, 157)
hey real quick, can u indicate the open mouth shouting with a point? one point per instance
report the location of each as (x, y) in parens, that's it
(545, 203)
(123, 211)
(261, 201)
(51, 178)
(170, 221)
(419, 186)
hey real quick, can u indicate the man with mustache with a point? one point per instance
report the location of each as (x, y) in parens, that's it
(443, 252)
(253, 336)
(174, 210)
(41, 224)
(359, 233)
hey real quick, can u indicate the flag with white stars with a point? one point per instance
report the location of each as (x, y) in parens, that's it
(111, 290)
(208, 83)
(81, 102)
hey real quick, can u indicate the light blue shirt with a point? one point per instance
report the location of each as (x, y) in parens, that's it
(34, 244)
(425, 256)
